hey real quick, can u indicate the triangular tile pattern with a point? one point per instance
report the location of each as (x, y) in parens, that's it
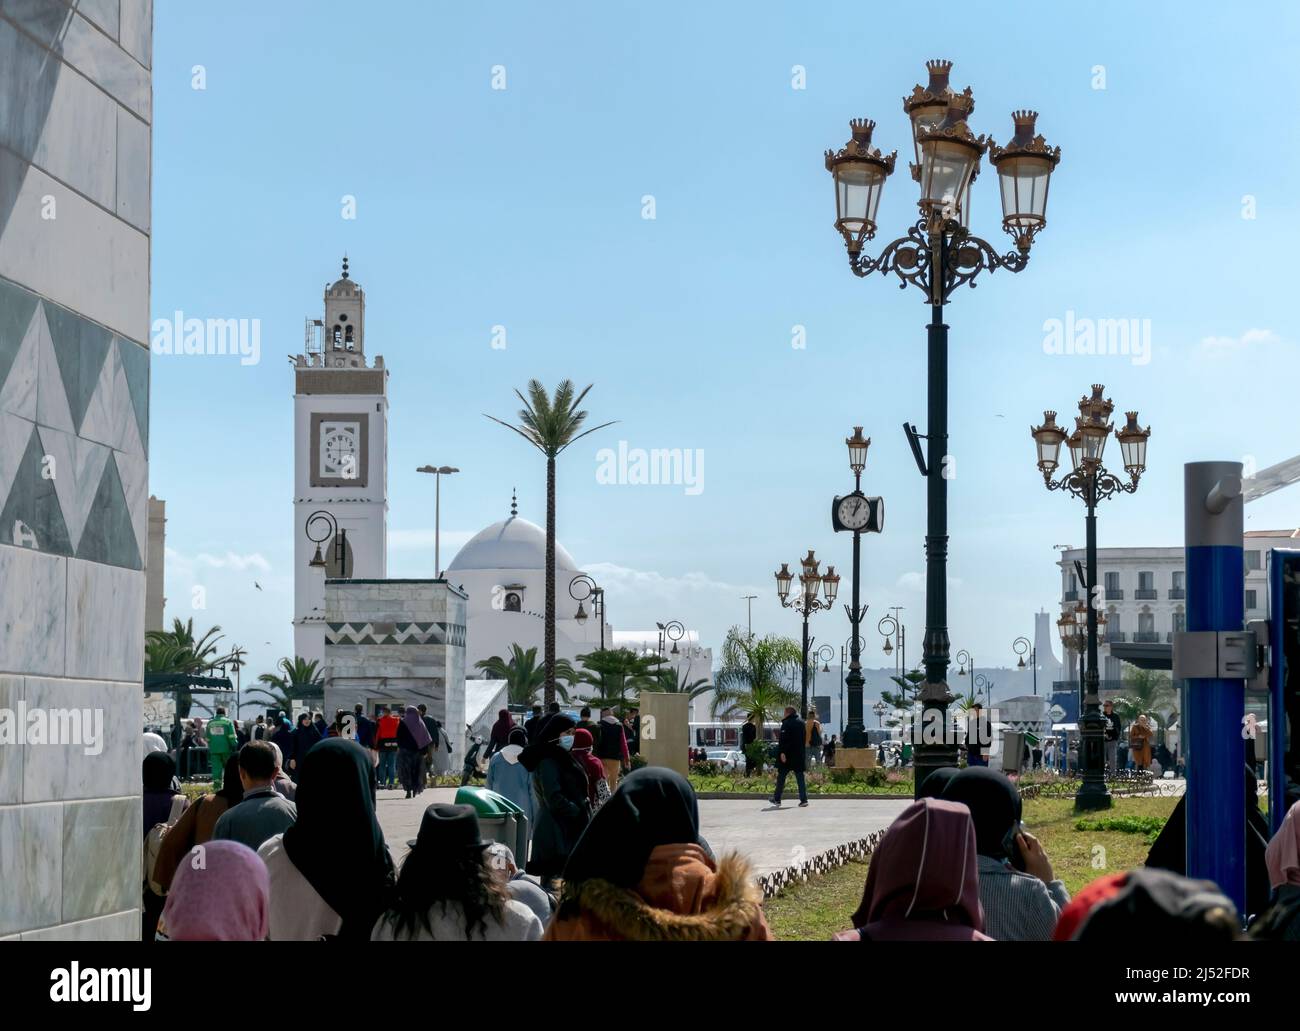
(395, 633)
(74, 420)
(31, 517)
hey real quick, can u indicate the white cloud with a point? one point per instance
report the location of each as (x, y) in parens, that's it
(1231, 345)
(176, 561)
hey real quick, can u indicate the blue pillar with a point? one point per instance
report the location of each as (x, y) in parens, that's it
(1216, 817)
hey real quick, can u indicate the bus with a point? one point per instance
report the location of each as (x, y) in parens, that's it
(726, 733)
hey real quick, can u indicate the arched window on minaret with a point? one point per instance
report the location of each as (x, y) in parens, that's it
(338, 338)
(351, 343)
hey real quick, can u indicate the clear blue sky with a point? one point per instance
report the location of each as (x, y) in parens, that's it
(522, 208)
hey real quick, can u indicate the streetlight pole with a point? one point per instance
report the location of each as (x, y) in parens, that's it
(806, 602)
(1021, 646)
(749, 614)
(1092, 482)
(938, 255)
(674, 631)
(597, 595)
(438, 473)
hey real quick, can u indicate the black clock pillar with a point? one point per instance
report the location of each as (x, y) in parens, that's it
(855, 734)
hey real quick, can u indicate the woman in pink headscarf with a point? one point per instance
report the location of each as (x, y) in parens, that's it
(1281, 921)
(221, 892)
(922, 884)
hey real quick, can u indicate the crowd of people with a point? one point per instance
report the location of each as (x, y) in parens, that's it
(271, 856)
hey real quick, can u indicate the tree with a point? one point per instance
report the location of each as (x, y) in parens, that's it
(178, 651)
(909, 687)
(1146, 691)
(750, 683)
(550, 425)
(297, 679)
(672, 681)
(616, 673)
(523, 676)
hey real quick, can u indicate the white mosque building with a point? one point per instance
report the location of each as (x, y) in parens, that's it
(503, 570)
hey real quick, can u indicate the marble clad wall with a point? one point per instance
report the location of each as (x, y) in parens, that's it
(397, 641)
(75, 164)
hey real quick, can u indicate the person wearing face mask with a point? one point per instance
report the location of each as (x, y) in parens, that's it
(560, 792)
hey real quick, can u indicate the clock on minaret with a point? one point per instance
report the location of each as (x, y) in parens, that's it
(338, 449)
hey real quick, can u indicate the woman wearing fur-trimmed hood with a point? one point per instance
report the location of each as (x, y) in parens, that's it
(641, 872)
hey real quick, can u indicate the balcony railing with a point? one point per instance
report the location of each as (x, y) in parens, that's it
(1177, 594)
(1146, 637)
(1116, 636)
(1114, 594)
(1146, 594)
(1071, 596)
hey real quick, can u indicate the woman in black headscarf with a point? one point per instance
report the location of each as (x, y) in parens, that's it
(159, 773)
(331, 874)
(413, 740)
(641, 872)
(448, 890)
(1021, 897)
(560, 790)
(304, 736)
(933, 785)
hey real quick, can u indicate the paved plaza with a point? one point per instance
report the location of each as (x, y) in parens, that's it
(770, 838)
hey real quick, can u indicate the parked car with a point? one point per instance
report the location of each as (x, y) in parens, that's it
(728, 759)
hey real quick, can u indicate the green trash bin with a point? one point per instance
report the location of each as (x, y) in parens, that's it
(499, 819)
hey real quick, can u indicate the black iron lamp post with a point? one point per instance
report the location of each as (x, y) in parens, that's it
(671, 631)
(937, 256)
(328, 528)
(1091, 482)
(846, 652)
(1022, 646)
(856, 514)
(806, 602)
(890, 626)
(589, 589)
(880, 708)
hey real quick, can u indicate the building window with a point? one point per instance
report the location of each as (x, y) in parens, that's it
(513, 602)
(1146, 585)
(1112, 586)
(1178, 587)
(1250, 601)
(1180, 621)
(1252, 561)
(1112, 670)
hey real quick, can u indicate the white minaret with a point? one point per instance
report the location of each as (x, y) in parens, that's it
(340, 411)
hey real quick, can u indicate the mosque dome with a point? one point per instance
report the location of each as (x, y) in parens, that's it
(513, 543)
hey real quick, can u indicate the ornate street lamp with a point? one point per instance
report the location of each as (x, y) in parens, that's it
(880, 708)
(938, 255)
(586, 588)
(1022, 646)
(806, 602)
(327, 529)
(1092, 482)
(674, 631)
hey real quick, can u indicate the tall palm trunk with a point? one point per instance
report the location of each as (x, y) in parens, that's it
(548, 691)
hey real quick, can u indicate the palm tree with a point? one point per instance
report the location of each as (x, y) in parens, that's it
(616, 672)
(672, 681)
(750, 683)
(297, 679)
(550, 425)
(523, 676)
(1146, 691)
(178, 651)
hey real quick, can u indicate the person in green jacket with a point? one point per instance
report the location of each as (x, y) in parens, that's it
(221, 744)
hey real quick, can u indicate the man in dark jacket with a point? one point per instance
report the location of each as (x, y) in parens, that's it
(748, 735)
(531, 724)
(790, 756)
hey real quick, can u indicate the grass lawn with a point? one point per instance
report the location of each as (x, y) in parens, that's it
(816, 910)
